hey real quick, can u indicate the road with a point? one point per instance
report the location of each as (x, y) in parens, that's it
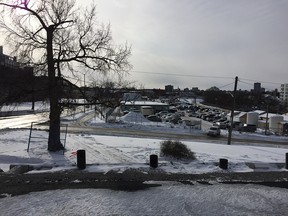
(23, 121)
(82, 127)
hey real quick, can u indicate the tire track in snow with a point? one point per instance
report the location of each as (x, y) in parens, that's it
(103, 153)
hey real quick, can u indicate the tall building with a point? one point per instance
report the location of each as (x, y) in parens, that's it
(284, 93)
(169, 88)
(257, 87)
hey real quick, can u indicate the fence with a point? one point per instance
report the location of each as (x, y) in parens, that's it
(45, 138)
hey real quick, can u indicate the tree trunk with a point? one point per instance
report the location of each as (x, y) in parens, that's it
(54, 143)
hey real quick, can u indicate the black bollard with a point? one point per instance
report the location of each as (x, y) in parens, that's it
(154, 161)
(223, 163)
(286, 160)
(81, 159)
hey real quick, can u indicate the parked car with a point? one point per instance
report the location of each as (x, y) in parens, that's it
(154, 118)
(167, 117)
(193, 114)
(175, 119)
(221, 125)
(161, 113)
(214, 131)
(248, 128)
(236, 125)
(180, 113)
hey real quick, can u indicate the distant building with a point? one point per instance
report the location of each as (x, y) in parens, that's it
(284, 93)
(8, 61)
(159, 93)
(257, 88)
(11, 70)
(16, 81)
(195, 89)
(132, 96)
(169, 88)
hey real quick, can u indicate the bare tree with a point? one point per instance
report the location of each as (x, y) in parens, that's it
(55, 35)
(107, 93)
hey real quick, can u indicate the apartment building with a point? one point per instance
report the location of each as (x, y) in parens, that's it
(284, 93)
(8, 61)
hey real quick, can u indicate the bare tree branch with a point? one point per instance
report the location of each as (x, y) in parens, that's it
(57, 36)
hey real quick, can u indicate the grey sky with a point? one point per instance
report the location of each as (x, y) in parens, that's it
(202, 40)
(206, 42)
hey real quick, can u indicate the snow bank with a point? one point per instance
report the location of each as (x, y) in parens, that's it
(133, 117)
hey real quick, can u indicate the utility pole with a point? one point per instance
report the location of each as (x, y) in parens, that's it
(266, 124)
(232, 112)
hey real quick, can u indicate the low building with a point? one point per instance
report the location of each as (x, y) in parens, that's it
(136, 105)
(132, 96)
(238, 117)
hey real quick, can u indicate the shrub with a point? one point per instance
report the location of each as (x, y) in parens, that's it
(176, 149)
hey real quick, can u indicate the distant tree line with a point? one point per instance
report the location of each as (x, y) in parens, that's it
(244, 100)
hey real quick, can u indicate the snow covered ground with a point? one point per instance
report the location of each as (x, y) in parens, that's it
(104, 153)
(25, 106)
(170, 199)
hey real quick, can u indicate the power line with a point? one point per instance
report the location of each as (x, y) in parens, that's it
(246, 83)
(189, 75)
(253, 84)
(182, 75)
(261, 81)
(203, 76)
(226, 85)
